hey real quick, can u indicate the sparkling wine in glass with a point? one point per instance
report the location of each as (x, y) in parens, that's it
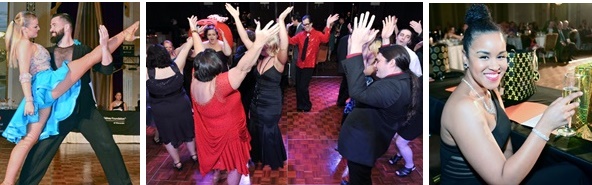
(571, 84)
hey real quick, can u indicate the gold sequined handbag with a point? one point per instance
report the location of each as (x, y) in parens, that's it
(519, 82)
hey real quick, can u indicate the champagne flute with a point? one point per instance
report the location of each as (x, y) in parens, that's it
(571, 84)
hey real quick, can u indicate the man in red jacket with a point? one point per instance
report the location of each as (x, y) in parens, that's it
(308, 43)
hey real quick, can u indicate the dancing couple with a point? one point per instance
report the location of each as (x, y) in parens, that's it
(53, 97)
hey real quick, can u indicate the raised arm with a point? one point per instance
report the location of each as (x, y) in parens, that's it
(416, 26)
(225, 45)
(181, 59)
(195, 30)
(389, 26)
(327, 31)
(474, 139)
(107, 58)
(242, 33)
(25, 52)
(284, 40)
(237, 74)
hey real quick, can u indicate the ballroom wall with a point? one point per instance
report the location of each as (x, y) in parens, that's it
(453, 14)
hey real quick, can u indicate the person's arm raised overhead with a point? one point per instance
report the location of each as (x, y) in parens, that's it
(389, 24)
(242, 33)
(181, 59)
(283, 33)
(195, 30)
(237, 74)
(225, 45)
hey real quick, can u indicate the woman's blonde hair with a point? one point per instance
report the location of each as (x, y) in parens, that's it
(273, 45)
(14, 34)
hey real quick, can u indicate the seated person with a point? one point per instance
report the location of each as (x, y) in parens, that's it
(117, 104)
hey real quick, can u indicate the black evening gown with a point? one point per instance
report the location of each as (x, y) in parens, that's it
(266, 111)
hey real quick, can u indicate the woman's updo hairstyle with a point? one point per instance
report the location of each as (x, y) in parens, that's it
(479, 21)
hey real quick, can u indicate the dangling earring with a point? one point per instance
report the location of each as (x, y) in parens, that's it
(465, 65)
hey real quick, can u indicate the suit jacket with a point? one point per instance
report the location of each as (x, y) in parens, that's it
(85, 99)
(367, 131)
(341, 52)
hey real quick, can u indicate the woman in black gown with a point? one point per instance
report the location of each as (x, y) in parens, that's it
(170, 105)
(266, 106)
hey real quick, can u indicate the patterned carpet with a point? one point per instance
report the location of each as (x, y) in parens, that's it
(310, 139)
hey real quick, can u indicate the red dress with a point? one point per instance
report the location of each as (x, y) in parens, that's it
(221, 135)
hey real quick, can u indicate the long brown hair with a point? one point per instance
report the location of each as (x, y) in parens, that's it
(14, 34)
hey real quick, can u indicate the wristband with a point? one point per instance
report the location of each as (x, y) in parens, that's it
(541, 135)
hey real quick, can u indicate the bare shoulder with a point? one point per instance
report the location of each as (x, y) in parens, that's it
(460, 115)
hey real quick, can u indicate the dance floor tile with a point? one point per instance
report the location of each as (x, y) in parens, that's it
(310, 139)
(78, 164)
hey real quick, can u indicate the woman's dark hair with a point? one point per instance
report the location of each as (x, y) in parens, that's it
(479, 21)
(208, 28)
(402, 60)
(157, 57)
(207, 65)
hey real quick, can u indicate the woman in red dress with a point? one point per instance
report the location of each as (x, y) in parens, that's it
(221, 135)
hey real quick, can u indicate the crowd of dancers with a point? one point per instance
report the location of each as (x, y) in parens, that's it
(229, 118)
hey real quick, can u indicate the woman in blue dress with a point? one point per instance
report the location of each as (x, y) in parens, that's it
(49, 96)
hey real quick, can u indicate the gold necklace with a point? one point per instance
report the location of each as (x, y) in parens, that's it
(489, 109)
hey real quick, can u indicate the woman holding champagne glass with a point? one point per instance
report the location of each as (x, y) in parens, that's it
(475, 132)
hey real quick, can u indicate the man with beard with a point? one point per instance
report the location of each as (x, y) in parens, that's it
(85, 117)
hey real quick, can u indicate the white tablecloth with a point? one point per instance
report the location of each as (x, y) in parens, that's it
(515, 41)
(455, 57)
(540, 40)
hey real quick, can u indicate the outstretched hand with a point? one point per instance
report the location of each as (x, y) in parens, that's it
(362, 33)
(233, 12)
(331, 19)
(262, 35)
(416, 26)
(388, 26)
(103, 35)
(284, 14)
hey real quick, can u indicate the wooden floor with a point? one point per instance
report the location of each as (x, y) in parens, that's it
(78, 164)
(310, 139)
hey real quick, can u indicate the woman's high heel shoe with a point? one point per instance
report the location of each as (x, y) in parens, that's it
(178, 166)
(156, 140)
(194, 158)
(393, 160)
(130, 32)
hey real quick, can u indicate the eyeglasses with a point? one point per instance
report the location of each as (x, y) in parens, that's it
(306, 24)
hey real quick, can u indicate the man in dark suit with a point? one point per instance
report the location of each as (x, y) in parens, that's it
(565, 47)
(86, 118)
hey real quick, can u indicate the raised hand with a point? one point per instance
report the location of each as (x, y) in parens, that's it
(262, 35)
(235, 13)
(331, 19)
(192, 22)
(416, 26)
(284, 14)
(362, 33)
(103, 35)
(388, 26)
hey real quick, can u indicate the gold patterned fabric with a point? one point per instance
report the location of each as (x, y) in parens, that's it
(519, 81)
(438, 60)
